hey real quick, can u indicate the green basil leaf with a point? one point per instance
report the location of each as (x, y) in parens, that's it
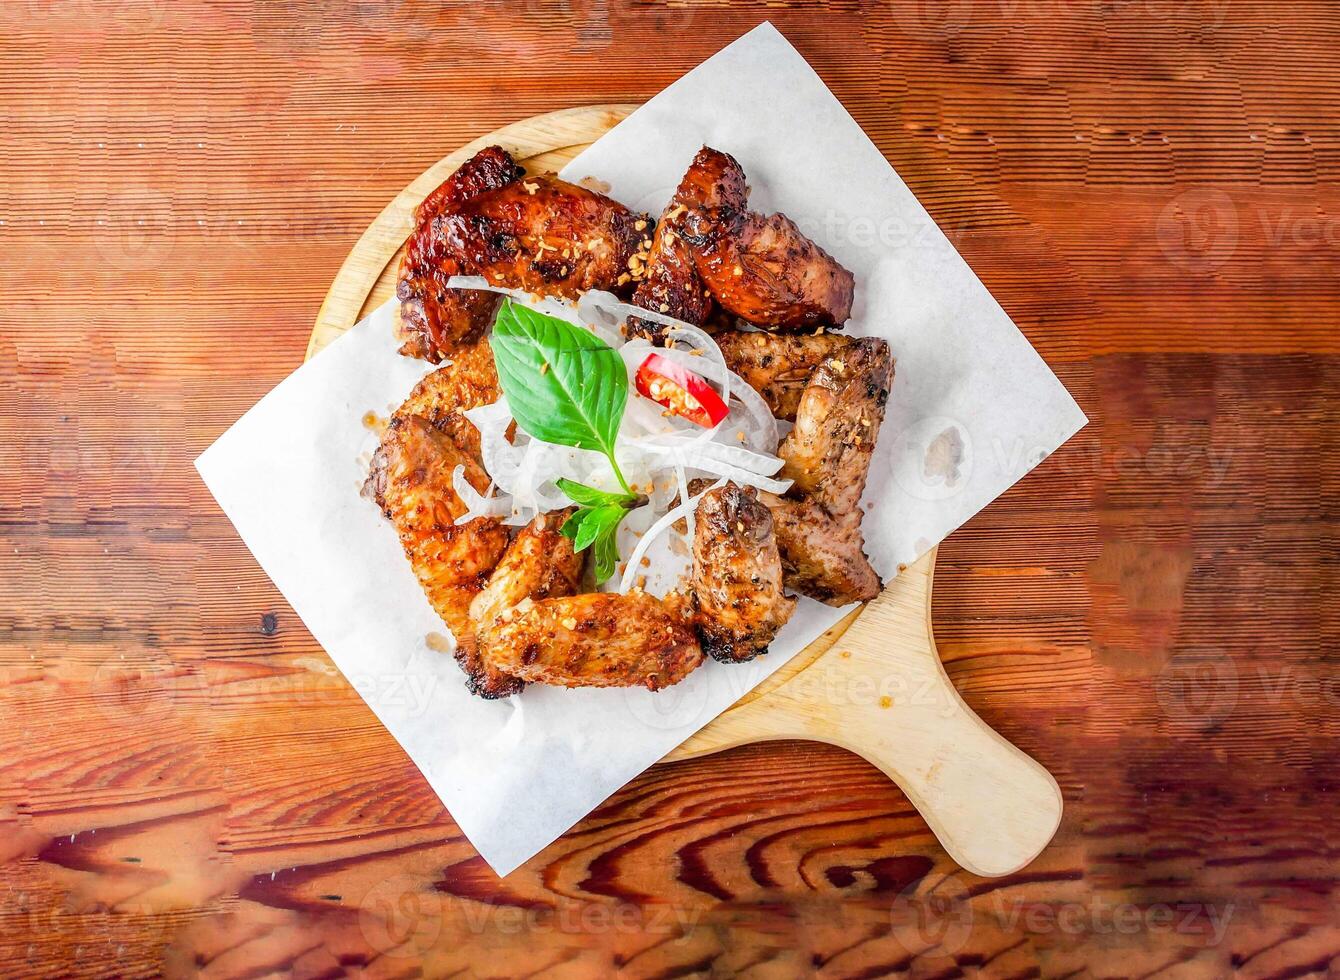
(563, 384)
(573, 523)
(607, 554)
(580, 493)
(598, 526)
(599, 522)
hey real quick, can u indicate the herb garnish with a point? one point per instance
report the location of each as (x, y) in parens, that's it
(566, 386)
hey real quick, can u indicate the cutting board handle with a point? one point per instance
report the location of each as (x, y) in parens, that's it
(882, 692)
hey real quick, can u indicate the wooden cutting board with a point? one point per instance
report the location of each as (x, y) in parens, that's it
(873, 683)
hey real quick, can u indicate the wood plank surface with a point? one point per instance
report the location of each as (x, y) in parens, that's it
(186, 784)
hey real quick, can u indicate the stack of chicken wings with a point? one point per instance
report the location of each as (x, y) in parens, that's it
(515, 601)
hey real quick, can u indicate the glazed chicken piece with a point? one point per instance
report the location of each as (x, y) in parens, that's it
(538, 564)
(540, 234)
(709, 247)
(778, 366)
(735, 599)
(411, 481)
(713, 180)
(765, 271)
(600, 639)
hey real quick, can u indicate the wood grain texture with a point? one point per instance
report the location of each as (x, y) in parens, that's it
(187, 785)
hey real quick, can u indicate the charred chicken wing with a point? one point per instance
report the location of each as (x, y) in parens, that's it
(539, 233)
(672, 285)
(411, 481)
(467, 381)
(778, 366)
(827, 454)
(765, 271)
(600, 639)
(736, 599)
(823, 558)
(538, 564)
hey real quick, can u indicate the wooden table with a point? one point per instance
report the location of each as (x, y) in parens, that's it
(186, 783)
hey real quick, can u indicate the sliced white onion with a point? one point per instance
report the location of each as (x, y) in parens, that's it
(555, 306)
(659, 452)
(760, 428)
(666, 521)
(612, 311)
(477, 504)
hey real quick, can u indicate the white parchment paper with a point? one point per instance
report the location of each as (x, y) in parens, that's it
(973, 408)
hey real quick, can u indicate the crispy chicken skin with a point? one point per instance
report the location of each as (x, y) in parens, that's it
(778, 366)
(468, 380)
(765, 271)
(434, 318)
(672, 286)
(410, 480)
(538, 564)
(823, 558)
(736, 592)
(599, 639)
(539, 233)
(828, 453)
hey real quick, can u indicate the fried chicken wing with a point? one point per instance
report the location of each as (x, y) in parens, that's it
(672, 286)
(433, 318)
(765, 271)
(538, 564)
(822, 557)
(600, 639)
(539, 233)
(827, 454)
(736, 589)
(467, 381)
(778, 366)
(411, 481)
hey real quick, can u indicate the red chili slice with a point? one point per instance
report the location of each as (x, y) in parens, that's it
(680, 390)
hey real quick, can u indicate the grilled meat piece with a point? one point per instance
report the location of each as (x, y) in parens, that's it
(600, 639)
(538, 564)
(736, 593)
(540, 233)
(778, 366)
(822, 557)
(467, 381)
(827, 455)
(713, 180)
(837, 421)
(410, 480)
(765, 271)
(433, 318)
